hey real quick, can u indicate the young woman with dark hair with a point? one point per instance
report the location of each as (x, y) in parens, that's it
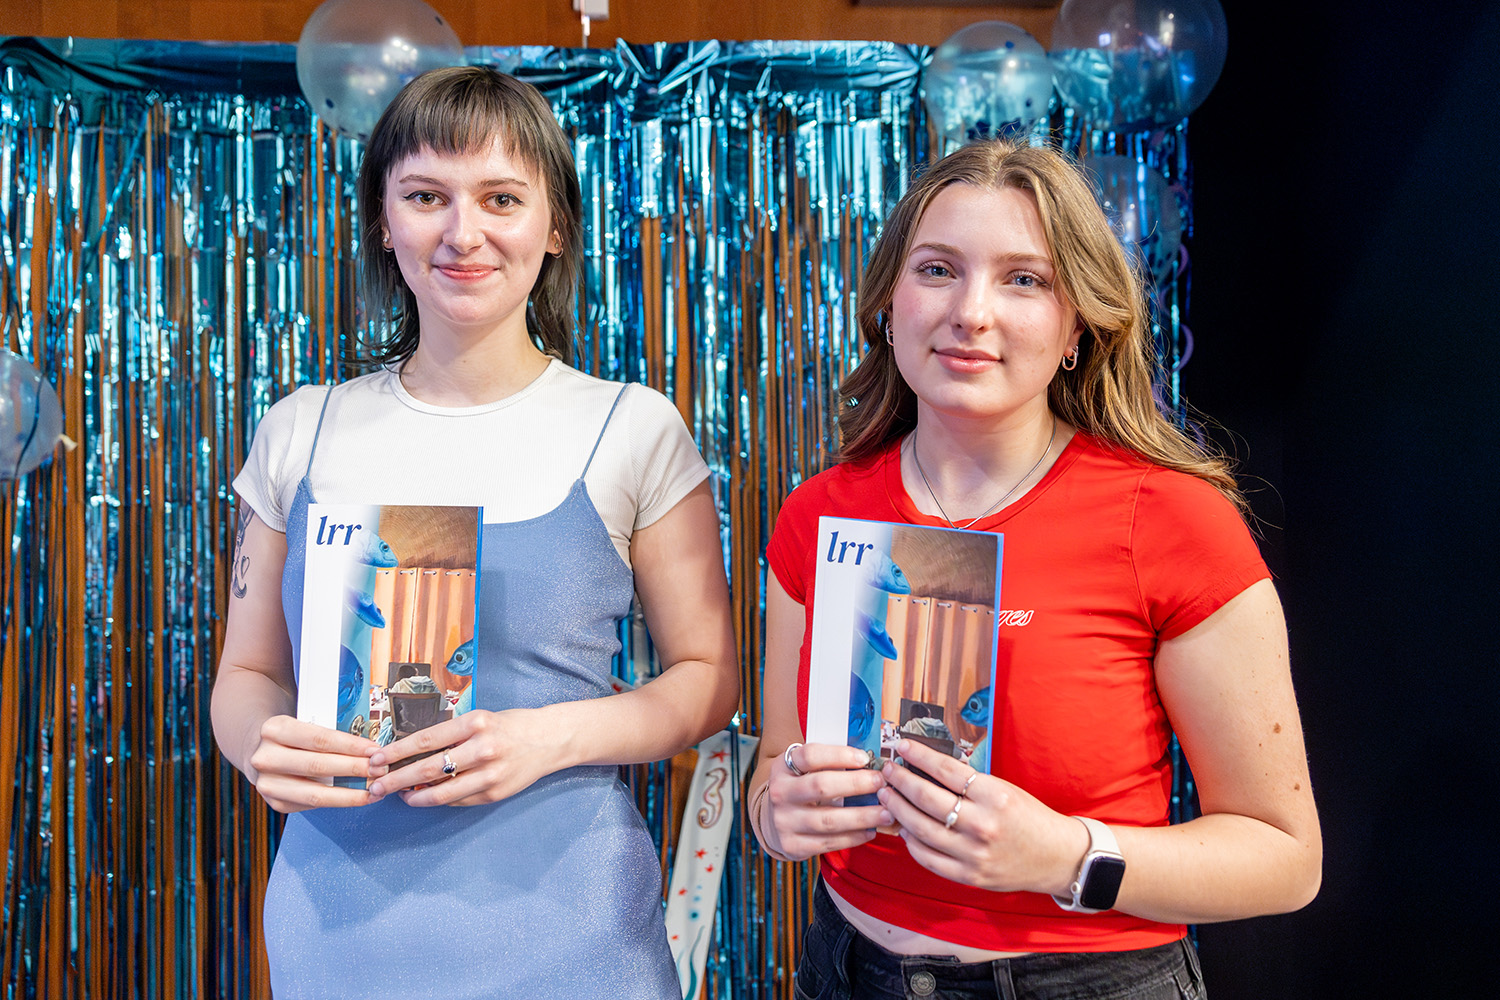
(510, 861)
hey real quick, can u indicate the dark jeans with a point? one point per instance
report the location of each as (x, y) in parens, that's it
(839, 963)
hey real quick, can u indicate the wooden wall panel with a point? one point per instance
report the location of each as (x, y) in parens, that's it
(506, 22)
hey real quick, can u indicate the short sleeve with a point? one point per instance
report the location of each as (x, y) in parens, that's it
(790, 551)
(664, 459)
(268, 479)
(1192, 551)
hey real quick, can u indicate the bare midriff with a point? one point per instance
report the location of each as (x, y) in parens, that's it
(902, 941)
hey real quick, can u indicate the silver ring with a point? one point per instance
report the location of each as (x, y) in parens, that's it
(953, 816)
(965, 790)
(786, 759)
(449, 768)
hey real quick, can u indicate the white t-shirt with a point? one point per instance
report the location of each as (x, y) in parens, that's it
(517, 458)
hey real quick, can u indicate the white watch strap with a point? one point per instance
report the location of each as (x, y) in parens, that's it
(1101, 841)
(1101, 838)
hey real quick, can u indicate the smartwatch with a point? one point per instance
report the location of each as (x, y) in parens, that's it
(1099, 876)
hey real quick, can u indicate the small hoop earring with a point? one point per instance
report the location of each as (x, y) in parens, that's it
(1070, 360)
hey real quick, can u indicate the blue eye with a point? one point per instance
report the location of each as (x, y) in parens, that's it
(934, 271)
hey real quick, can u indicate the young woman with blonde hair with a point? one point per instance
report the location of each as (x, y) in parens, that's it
(1007, 387)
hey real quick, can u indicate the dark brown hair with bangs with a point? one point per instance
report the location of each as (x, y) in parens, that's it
(456, 111)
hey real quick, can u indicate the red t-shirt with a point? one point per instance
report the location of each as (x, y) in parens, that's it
(1103, 558)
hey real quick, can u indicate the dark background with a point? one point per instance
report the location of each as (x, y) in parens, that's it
(1345, 275)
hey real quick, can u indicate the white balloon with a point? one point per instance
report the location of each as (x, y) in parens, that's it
(355, 55)
(30, 417)
(986, 76)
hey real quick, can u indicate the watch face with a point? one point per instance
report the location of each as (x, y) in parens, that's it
(1101, 882)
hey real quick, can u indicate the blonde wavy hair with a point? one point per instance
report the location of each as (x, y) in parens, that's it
(1109, 394)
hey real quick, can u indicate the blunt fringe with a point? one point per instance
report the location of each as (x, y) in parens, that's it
(455, 111)
(1109, 395)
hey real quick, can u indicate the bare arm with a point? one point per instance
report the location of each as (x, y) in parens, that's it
(254, 697)
(793, 816)
(679, 575)
(1256, 849)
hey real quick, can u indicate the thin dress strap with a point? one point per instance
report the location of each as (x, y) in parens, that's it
(317, 431)
(613, 406)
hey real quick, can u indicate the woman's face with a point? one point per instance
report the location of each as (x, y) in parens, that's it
(979, 324)
(470, 232)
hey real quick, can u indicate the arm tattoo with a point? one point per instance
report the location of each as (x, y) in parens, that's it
(239, 570)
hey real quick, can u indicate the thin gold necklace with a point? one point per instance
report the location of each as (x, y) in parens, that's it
(1004, 497)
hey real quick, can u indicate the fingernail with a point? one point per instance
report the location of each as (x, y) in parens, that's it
(376, 792)
(883, 795)
(886, 819)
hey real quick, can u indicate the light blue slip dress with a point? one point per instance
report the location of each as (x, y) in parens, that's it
(552, 893)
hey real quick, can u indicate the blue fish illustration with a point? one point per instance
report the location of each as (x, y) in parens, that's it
(889, 578)
(976, 710)
(374, 551)
(861, 711)
(363, 606)
(461, 663)
(875, 634)
(351, 679)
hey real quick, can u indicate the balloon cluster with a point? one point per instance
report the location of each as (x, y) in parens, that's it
(30, 417)
(354, 55)
(1122, 65)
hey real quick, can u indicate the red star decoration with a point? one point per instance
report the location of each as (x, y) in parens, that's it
(701, 853)
(674, 937)
(709, 868)
(720, 755)
(682, 892)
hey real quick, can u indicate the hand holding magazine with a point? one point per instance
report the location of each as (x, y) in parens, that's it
(903, 639)
(388, 644)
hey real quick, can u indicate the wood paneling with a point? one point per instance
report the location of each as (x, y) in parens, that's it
(506, 22)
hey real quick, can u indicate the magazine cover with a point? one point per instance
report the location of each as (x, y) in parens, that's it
(388, 644)
(903, 638)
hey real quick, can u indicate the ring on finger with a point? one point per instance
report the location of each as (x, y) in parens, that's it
(449, 768)
(952, 817)
(964, 791)
(786, 759)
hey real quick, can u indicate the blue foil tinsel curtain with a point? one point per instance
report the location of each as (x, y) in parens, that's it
(177, 235)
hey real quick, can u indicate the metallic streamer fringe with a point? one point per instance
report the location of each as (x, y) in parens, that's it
(178, 237)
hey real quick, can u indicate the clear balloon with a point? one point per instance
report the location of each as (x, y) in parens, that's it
(1137, 64)
(987, 76)
(1143, 210)
(30, 417)
(354, 55)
